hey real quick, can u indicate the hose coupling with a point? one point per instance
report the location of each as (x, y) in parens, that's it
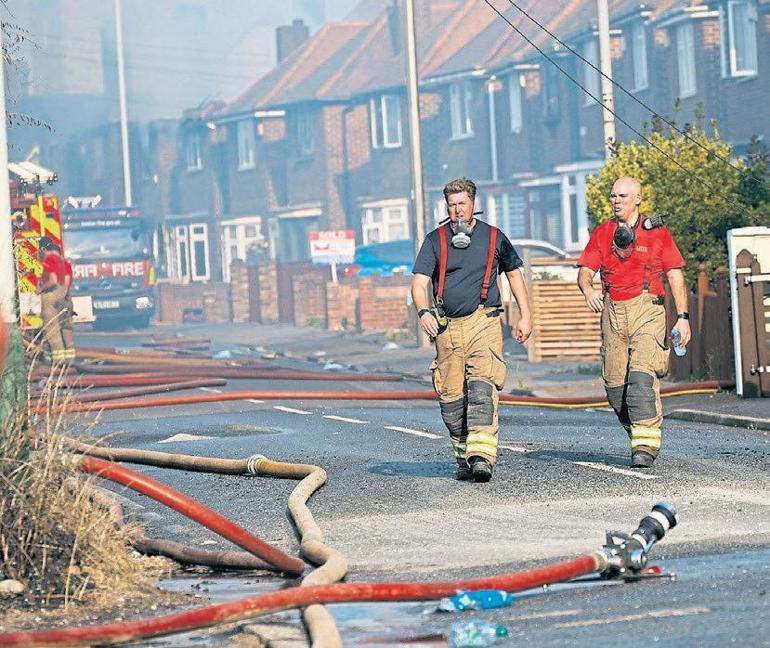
(627, 554)
(252, 464)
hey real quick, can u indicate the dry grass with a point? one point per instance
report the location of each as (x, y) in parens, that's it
(54, 538)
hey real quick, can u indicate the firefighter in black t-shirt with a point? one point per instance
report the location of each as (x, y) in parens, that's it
(462, 259)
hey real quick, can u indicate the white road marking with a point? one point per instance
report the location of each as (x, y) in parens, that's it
(614, 469)
(420, 433)
(343, 419)
(512, 448)
(255, 401)
(184, 437)
(290, 410)
(211, 390)
(653, 614)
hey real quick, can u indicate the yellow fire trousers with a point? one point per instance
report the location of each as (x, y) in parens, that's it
(634, 358)
(468, 371)
(56, 312)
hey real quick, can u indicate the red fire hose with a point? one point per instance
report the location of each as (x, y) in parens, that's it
(524, 401)
(195, 511)
(295, 597)
(142, 391)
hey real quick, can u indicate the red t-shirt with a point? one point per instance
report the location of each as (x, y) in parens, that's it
(654, 253)
(57, 265)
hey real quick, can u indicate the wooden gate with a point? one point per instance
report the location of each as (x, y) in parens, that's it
(753, 289)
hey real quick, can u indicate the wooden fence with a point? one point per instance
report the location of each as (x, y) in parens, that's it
(562, 325)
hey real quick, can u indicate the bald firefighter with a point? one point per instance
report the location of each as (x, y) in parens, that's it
(462, 260)
(632, 252)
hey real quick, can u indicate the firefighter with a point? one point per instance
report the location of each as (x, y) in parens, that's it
(462, 260)
(55, 301)
(632, 252)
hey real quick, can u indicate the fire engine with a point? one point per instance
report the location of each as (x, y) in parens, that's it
(112, 265)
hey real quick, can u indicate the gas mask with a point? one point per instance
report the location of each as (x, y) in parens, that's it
(623, 240)
(462, 233)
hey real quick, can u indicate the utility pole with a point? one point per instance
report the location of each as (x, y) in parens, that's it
(123, 110)
(7, 265)
(605, 64)
(413, 98)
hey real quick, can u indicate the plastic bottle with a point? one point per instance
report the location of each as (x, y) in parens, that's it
(478, 600)
(675, 339)
(476, 632)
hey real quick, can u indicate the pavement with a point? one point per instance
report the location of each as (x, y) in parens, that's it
(377, 352)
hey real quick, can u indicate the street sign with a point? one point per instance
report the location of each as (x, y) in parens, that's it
(337, 246)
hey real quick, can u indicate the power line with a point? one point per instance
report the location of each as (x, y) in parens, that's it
(629, 94)
(561, 69)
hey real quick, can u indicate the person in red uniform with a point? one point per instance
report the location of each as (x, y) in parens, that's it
(632, 252)
(55, 301)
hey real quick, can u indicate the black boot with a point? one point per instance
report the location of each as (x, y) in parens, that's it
(463, 472)
(641, 459)
(481, 469)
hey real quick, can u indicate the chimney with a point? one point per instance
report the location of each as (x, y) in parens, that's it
(290, 37)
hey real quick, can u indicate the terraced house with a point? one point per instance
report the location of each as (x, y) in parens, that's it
(321, 142)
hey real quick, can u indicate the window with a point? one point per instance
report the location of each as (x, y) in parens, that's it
(180, 235)
(194, 162)
(246, 144)
(685, 50)
(385, 117)
(305, 143)
(514, 99)
(199, 252)
(551, 108)
(741, 39)
(511, 208)
(380, 224)
(460, 98)
(590, 73)
(241, 239)
(639, 52)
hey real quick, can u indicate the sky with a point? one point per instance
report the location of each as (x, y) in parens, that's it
(179, 53)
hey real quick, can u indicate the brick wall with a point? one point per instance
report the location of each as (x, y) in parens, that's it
(212, 298)
(309, 294)
(240, 301)
(383, 303)
(342, 306)
(264, 288)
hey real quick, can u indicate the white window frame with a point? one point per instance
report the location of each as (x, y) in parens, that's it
(515, 102)
(182, 256)
(460, 99)
(199, 237)
(193, 152)
(728, 41)
(234, 235)
(639, 54)
(381, 109)
(591, 78)
(377, 219)
(247, 143)
(305, 139)
(685, 59)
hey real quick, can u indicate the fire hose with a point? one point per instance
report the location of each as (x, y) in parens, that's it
(708, 387)
(623, 553)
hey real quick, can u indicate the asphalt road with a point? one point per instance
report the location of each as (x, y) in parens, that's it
(393, 507)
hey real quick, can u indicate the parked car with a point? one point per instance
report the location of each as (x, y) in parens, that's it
(397, 257)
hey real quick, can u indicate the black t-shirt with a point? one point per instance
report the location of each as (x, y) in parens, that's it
(465, 268)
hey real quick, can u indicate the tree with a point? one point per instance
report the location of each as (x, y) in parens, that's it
(688, 180)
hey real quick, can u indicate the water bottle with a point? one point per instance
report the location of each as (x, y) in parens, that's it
(478, 600)
(475, 632)
(675, 339)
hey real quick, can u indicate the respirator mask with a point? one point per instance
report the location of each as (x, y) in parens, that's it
(462, 233)
(623, 240)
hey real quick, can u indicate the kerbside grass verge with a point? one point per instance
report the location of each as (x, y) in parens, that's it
(55, 539)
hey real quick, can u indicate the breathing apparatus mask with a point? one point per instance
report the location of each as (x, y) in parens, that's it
(462, 232)
(624, 238)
